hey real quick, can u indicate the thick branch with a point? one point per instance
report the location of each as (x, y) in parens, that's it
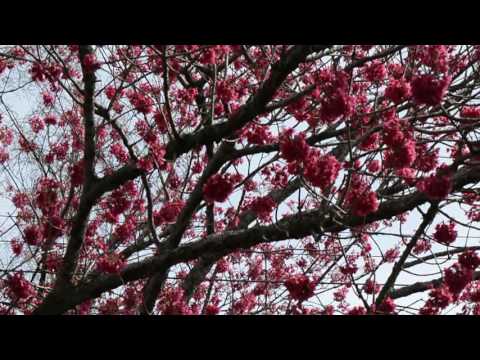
(421, 286)
(88, 113)
(449, 252)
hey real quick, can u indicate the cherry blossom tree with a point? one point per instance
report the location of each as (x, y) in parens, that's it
(239, 179)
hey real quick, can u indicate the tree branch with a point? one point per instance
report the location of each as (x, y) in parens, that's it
(397, 268)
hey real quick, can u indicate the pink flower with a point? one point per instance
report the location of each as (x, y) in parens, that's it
(109, 307)
(421, 246)
(16, 246)
(436, 187)
(141, 102)
(426, 160)
(120, 199)
(258, 135)
(130, 298)
(226, 92)
(222, 266)
(328, 310)
(54, 227)
(209, 56)
(37, 124)
(212, 309)
(357, 310)
(37, 72)
(126, 230)
(396, 70)
(340, 294)
(440, 297)
(168, 213)
(445, 233)
(172, 302)
(322, 171)
(145, 132)
(77, 173)
(262, 207)
(119, 152)
(370, 143)
(434, 56)
(47, 98)
(401, 156)
(470, 112)
(457, 277)
(218, 188)
(364, 204)
(469, 260)
(393, 133)
(376, 71)
(349, 269)
(53, 261)
(300, 287)
(373, 166)
(32, 235)
(6, 135)
(19, 287)
(293, 148)
(4, 156)
(391, 255)
(20, 200)
(428, 310)
(398, 90)
(111, 263)
(428, 90)
(361, 200)
(407, 174)
(3, 66)
(371, 287)
(338, 104)
(245, 304)
(110, 91)
(50, 119)
(46, 198)
(387, 306)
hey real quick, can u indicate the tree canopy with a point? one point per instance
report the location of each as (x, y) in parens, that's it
(239, 179)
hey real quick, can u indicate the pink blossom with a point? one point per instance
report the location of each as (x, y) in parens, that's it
(428, 90)
(457, 277)
(263, 207)
(445, 233)
(217, 188)
(300, 287)
(322, 171)
(112, 263)
(436, 187)
(293, 148)
(398, 91)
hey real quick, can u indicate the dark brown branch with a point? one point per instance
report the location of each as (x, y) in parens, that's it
(89, 80)
(449, 252)
(397, 268)
(79, 222)
(421, 286)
